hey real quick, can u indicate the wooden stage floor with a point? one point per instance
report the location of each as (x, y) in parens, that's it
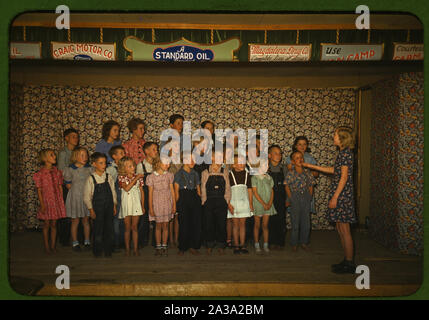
(279, 274)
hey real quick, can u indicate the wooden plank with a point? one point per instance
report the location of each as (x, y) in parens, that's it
(221, 21)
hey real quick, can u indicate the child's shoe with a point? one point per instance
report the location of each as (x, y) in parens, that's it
(258, 248)
(346, 267)
(164, 251)
(237, 250)
(266, 250)
(244, 250)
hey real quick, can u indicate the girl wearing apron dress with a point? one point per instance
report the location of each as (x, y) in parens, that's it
(240, 206)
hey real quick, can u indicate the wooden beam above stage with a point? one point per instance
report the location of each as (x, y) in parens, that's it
(207, 75)
(220, 21)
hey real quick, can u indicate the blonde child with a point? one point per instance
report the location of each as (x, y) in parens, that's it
(341, 203)
(132, 201)
(263, 197)
(162, 204)
(75, 176)
(48, 181)
(240, 206)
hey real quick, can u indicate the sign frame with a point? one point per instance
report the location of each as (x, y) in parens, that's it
(196, 44)
(327, 43)
(34, 42)
(72, 42)
(396, 43)
(281, 44)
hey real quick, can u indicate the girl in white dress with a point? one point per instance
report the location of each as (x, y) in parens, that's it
(132, 200)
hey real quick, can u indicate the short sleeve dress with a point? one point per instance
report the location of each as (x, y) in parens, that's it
(345, 210)
(131, 199)
(264, 185)
(162, 197)
(75, 207)
(49, 180)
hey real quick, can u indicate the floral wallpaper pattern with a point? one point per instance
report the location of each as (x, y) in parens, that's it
(39, 114)
(396, 203)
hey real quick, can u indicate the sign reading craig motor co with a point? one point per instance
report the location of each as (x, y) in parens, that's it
(351, 52)
(83, 51)
(25, 50)
(281, 52)
(408, 51)
(181, 50)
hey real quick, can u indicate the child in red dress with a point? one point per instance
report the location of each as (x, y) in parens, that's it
(48, 181)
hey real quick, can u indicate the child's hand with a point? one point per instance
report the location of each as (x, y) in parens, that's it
(42, 208)
(151, 213)
(92, 214)
(143, 209)
(230, 208)
(289, 166)
(114, 210)
(287, 204)
(333, 203)
(140, 176)
(173, 210)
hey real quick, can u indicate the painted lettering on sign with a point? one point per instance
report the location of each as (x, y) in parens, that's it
(83, 51)
(259, 52)
(408, 51)
(351, 52)
(182, 53)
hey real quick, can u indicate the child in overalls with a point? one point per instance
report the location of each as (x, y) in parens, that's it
(215, 195)
(299, 189)
(117, 153)
(100, 198)
(277, 224)
(240, 206)
(188, 192)
(145, 167)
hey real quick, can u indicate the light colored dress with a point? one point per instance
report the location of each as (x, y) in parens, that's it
(75, 207)
(264, 184)
(162, 197)
(239, 199)
(50, 181)
(130, 200)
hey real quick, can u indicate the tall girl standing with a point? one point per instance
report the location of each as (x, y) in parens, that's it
(132, 200)
(75, 177)
(341, 203)
(48, 181)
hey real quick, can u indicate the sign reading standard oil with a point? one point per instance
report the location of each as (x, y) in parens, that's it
(408, 51)
(351, 52)
(280, 52)
(181, 50)
(83, 51)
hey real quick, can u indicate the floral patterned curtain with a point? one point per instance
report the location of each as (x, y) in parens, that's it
(39, 114)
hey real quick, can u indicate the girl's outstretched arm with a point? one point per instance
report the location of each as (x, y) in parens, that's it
(328, 170)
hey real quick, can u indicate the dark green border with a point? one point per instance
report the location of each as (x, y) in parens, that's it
(10, 9)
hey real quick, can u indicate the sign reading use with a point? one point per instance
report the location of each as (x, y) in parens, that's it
(25, 50)
(280, 52)
(181, 50)
(408, 51)
(351, 52)
(83, 51)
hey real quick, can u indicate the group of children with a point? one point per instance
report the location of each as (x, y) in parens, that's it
(123, 187)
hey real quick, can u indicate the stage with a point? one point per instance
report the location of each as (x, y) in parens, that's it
(279, 274)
